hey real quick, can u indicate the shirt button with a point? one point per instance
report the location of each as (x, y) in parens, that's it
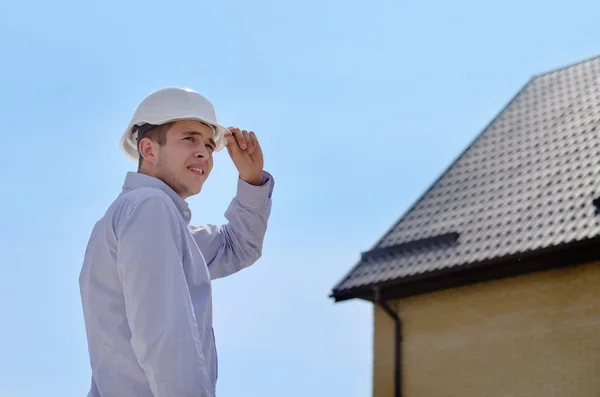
(186, 213)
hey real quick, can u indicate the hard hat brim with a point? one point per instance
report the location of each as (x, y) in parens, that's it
(129, 145)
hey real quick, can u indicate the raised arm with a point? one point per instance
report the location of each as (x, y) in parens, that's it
(164, 332)
(238, 244)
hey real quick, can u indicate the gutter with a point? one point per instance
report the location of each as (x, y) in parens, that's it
(397, 341)
(560, 256)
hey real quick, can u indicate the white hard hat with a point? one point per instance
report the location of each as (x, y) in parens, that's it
(170, 104)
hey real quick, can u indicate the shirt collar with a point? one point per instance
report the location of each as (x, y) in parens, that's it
(137, 180)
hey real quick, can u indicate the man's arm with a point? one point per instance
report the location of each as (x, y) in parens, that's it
(164, 332)
(238, 244)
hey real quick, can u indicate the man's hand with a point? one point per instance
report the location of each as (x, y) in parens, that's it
(246, 153)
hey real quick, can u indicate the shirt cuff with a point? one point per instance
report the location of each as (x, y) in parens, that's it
(255, 196)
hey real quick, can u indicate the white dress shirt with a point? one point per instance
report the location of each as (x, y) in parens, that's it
(146, 287)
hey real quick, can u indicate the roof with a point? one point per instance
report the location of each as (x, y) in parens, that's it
(525, 185)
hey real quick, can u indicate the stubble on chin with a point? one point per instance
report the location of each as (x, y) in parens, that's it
(179, 187)
(173, 182)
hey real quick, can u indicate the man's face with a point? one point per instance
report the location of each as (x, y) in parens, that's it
(186, 159)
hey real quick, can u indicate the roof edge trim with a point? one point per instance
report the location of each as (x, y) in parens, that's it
(563, 255)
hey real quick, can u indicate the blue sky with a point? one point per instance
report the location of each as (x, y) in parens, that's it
(359, 106)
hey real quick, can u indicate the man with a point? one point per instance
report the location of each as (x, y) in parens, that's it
(146, 277)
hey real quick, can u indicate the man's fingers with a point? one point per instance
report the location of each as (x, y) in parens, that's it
(232, 145)
(254, 141)
(235, 133)
(242, 140)
(239, 136)
(248, 141)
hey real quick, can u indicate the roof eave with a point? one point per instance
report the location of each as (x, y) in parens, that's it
(564, 255)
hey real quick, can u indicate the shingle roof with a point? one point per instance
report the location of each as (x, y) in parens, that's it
(526, 183)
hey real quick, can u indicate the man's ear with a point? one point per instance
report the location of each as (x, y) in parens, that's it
(148, 150)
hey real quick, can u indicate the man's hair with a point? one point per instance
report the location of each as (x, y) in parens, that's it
(156, 133)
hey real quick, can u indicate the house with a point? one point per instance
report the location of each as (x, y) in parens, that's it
(489, 285)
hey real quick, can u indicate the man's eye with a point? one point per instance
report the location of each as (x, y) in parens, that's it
(191, 138)
(210, 147)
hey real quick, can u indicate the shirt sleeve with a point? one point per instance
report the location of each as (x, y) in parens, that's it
(164, 332)
(238, 244)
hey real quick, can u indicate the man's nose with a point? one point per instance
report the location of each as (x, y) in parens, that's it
(201, 153)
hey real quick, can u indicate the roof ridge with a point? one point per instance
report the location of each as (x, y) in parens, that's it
(566, 66)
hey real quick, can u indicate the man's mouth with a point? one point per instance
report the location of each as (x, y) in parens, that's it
(196, 170)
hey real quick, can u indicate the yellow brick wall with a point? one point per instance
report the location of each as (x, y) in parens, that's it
(534, 335)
